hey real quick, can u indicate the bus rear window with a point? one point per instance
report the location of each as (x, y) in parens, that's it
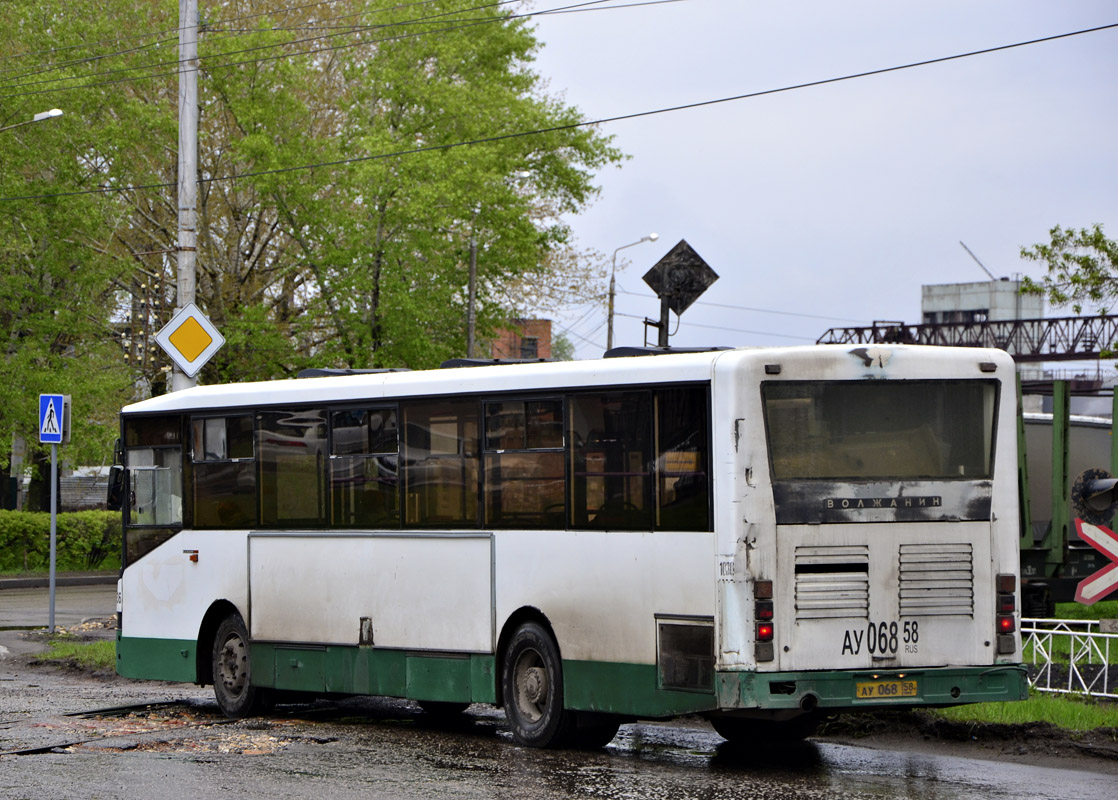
(884, 430)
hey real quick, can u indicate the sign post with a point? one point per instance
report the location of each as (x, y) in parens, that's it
(54, 429)
(1104, 581)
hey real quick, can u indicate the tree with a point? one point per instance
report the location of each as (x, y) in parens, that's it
(1082, 268)
(348, 156)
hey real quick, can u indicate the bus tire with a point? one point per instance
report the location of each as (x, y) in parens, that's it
(532, 677)
(232, 671)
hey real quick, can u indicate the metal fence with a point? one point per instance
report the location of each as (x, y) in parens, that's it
(1069, 656)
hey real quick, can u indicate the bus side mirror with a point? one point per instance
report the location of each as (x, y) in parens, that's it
(116, 488)
(1094, 496)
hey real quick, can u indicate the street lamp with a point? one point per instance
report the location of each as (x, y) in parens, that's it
(54, 112)
(652, 237)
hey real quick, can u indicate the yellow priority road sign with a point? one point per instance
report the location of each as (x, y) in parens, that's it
(190, 339)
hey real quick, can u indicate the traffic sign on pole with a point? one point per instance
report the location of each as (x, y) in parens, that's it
(1101, 583)
(54, 422)
(190, 339)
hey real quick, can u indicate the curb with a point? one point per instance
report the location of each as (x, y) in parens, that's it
(59, 580)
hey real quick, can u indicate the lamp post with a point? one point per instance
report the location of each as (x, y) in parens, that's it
(54, 112)
(652, 237)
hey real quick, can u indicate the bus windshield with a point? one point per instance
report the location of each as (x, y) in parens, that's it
(884, 430)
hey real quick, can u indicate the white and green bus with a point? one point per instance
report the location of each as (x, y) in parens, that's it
(760, 536)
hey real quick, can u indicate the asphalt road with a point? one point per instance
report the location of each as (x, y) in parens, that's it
(63, 734)
(30, 607)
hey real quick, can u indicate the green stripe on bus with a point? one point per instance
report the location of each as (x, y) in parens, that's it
(157, 659)
(449, 677)
(627, 689)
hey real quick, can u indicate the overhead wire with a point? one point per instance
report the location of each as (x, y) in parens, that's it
(760, 310)
(177, 63)
(731, 330)
(206, 65)
(582, 124)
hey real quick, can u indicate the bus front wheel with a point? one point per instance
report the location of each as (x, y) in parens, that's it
(532, 677)
(232, 671)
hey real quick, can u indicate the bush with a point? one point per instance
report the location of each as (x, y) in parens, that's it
(86, 540)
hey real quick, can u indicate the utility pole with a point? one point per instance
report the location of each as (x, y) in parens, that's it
(187, 249)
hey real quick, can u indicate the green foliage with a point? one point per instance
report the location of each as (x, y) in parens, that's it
(562, 349)
(359, 262)
(1082, 268)
(86, 540)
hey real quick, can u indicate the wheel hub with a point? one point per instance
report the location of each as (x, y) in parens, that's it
(535, 685)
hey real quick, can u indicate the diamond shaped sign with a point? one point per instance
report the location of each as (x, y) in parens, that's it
(680, 277)
(190, 339)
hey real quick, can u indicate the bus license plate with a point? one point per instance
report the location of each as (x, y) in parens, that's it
(885, 690)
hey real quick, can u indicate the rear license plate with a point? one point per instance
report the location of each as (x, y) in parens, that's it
(885, 690)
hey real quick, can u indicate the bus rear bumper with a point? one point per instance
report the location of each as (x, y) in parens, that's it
(864, 689)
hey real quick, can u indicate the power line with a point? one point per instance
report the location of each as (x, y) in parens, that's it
(758, 310)
(177, 30)
(210, 66)
(177, 64)
(575, 125)
(731, 330)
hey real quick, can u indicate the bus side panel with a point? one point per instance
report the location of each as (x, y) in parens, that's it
(414, 592)
(605, 596)
(165, 595)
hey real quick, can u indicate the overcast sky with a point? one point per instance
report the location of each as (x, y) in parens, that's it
(833, 205)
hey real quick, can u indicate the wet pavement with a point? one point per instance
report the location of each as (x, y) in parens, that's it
(72, 735)
(59, 740)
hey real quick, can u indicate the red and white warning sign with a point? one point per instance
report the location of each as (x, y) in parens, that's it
(1099, 584)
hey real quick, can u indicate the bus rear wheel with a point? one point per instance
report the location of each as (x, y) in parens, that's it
(532, 678)
(232, 671)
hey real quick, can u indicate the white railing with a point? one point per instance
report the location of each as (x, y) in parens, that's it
(1070, 656)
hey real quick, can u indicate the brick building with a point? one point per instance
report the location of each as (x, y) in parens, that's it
(523, 338)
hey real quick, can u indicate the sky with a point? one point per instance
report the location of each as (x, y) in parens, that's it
(831, 206)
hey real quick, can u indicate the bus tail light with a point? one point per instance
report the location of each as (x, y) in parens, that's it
(763, 647)
(1006, 613)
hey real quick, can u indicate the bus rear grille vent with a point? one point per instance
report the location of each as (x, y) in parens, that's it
(686, 656)
(937, 580)
(832, 582)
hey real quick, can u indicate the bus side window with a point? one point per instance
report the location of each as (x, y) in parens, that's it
(292, 455)
(524, 478)
(611, 460)
(682, 460)
(364, 459)
(224, 472)
(441, 471)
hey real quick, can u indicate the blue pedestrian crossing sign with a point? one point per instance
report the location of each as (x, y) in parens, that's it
(54, 419)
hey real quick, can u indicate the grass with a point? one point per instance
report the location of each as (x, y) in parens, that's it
(67, 650)
(1107, 609)
(1064, 711)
